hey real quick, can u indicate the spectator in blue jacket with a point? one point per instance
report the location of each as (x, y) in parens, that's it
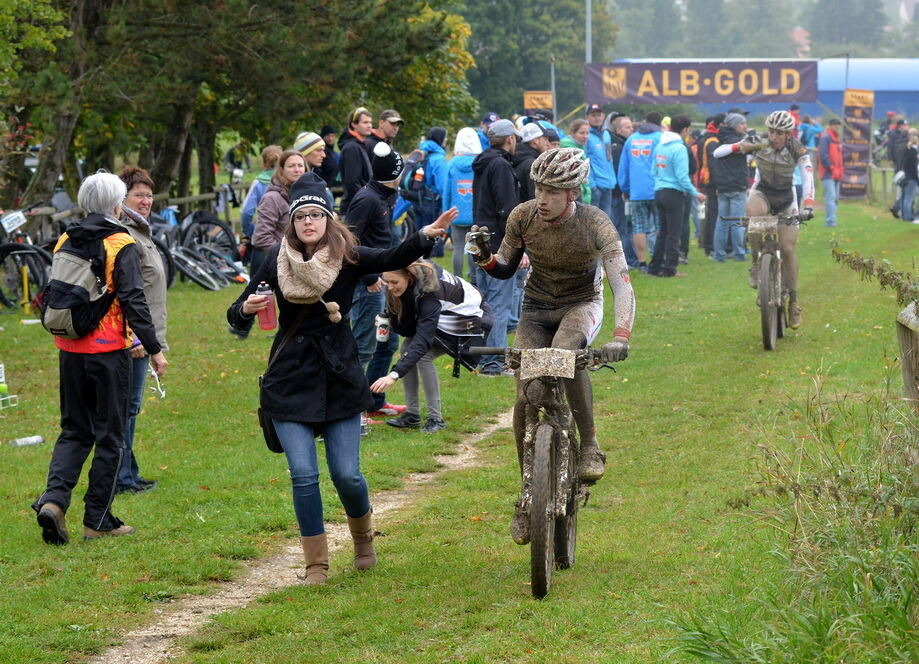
(602, 175)
(671, 184)
(458, 194)
(809, 130)
(435, 180)
(270, 156)
(637, 185)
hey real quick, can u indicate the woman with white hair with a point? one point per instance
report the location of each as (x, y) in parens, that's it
(95, 369)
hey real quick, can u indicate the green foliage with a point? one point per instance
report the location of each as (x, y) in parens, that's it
(837, 26)
(513, 44)
(902, 283)
(26, 26)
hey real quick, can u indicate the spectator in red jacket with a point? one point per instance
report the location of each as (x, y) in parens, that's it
(830, 170)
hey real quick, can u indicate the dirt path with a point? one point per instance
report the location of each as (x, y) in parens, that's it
(156, 642)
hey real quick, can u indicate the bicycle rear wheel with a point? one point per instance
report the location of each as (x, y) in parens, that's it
(169, 265)
(18, 259)
(566, 527)
(767, 300)
(211, 232)
(542, 511)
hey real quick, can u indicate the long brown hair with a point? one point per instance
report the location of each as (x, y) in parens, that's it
(338, 238)
(393, 303)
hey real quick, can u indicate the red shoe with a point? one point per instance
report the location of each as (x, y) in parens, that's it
(387, 410)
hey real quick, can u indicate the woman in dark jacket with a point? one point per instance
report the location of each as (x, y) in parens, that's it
(436, 312)
(315, 385)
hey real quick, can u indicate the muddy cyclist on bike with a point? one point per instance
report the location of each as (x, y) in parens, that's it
(773, 192)
(567, 243)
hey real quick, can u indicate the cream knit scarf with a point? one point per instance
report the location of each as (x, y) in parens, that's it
(305, 281)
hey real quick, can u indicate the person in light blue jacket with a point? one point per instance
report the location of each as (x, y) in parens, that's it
(270, 156)
(638, 186)
(602, 175)
(458, 194)
(671, 184)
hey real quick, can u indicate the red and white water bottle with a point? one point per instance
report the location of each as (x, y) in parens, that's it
(267, 318)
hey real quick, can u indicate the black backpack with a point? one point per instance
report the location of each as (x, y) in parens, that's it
(77, 295)
(411, 186)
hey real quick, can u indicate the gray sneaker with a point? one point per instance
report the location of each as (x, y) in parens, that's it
(433, 424)
(520, 525)
(591, 464)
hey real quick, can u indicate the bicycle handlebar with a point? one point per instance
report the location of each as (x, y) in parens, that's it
(592, 355)
(788, 219)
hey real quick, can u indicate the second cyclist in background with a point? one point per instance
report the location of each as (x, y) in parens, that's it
(773, 192)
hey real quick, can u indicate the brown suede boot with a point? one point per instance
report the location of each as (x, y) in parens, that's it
(362, 534)
(316, 555)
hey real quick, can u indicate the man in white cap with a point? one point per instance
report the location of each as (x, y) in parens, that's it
(533, 142)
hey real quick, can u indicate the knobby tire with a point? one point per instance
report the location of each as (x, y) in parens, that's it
(767, 300)
(566, 527)
(542, 511)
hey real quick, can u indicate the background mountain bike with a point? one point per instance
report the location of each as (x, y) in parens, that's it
(551, 488)
(24, 267)
(771, 296)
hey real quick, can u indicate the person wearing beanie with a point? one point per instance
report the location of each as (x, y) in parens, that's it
(314, 383)
(487, 120)
(312, 147)
(369, 218)
(354, 161)
(730, 176)
(329, 167)
(273, 213)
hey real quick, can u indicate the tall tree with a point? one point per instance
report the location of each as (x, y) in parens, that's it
(838, 25)
(705, 33)
(760, 28)
(513, 44)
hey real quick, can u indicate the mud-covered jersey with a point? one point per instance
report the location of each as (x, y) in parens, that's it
(777, 167)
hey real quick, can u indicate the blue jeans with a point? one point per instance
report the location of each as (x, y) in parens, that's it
(379, 364)
(624, 228)
(603, 199)
(364, 309)
(733, 204)
(909, 195)
(129, 473)
(830, 199)
(519, 280)
(499, 293)
(342, 453)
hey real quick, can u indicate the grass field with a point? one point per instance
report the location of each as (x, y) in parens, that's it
(657, 538)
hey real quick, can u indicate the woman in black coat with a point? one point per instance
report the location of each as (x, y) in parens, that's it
(315, 385)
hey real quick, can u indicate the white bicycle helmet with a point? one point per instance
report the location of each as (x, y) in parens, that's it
(560, 168)
(780, 121)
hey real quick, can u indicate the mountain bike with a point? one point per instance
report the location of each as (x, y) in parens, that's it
(771, 297)
(552, 491)
(24, 267)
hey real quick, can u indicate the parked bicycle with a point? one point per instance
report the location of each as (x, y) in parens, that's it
(771, 296)
(24, 266)
(552, 491)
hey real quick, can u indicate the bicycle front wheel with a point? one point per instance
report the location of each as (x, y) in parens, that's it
(566, 527)
(542, 511)
(767, 300)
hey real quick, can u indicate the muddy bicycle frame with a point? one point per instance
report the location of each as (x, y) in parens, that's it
(772, 297)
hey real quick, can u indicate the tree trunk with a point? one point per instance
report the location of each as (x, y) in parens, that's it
(184, 185)
(167, 163)
(54, 150)
(13, 164)
(145, 158)
(205, 138)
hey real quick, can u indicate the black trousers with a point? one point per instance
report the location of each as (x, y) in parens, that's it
(95, 391)
(670, 207)
(707, 232)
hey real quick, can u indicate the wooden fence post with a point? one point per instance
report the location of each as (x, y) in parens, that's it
(908, 336)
